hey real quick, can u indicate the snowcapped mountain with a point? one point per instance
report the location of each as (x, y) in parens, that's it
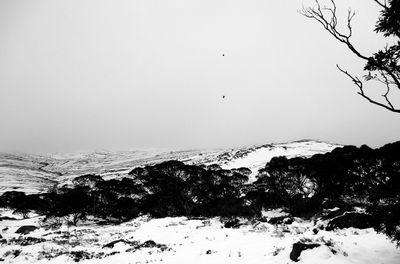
(36, 173)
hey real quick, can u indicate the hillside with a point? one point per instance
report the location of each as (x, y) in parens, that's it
(160, 206)
(36, 173)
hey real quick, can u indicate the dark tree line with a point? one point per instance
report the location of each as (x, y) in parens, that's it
(167, 189)
(346, 177)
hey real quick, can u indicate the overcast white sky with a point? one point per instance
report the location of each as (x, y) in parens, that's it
(122, 74)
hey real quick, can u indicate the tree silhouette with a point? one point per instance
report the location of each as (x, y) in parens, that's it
(383, 66)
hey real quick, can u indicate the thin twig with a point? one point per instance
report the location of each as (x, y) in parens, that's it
(359, 83)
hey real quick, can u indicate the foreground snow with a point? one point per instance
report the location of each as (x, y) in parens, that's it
(181, 240)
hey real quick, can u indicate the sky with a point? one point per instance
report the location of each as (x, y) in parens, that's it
(122, 74)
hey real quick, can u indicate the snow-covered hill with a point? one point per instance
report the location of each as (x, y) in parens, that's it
(37, 173)
(256, 158)
(175, 239)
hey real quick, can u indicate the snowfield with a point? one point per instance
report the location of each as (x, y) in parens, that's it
(181, 240)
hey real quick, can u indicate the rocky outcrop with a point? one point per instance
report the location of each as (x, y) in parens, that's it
(234, 223)
(299, 247)
(24, 230)
(280, 220)
(350, 219)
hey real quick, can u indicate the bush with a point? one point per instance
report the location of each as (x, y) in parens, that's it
(342, 178)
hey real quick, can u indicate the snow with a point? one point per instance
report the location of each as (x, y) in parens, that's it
(257, 159)
(186, 240)
(200, 241)
(37, 173)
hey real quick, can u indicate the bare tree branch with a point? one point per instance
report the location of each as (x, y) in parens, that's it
(359, 84)
(383, 5)
(329, 22)
(385, 62)
(387, 83)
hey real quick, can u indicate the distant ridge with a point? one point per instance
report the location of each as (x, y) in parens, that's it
(33, 173)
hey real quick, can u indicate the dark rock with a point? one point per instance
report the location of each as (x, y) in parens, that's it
(112, 243)
(350, 219)
(299, 247)
(136, 244)
(24, 230)
(149, 243)
(109, 221)
(112, 253)
(234, 223)
(7, 218)
(315, 231)
(280, 220)
(208, 252)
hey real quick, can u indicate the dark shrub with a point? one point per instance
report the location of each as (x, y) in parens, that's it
(75, 202)
(11, 198)
(350, 219)
(89, 180)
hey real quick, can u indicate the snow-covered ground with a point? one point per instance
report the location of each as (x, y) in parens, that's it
(181, 240)
(172, 240)
(37, 173)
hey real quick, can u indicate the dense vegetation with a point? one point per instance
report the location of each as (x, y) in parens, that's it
(347, 177)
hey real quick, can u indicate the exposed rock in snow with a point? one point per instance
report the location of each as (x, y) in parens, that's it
(298, 247)
(179, 240)
(24, 230)
(276, 237)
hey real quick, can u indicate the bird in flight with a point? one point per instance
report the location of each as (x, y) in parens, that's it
(223, 55)
(223, 97)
